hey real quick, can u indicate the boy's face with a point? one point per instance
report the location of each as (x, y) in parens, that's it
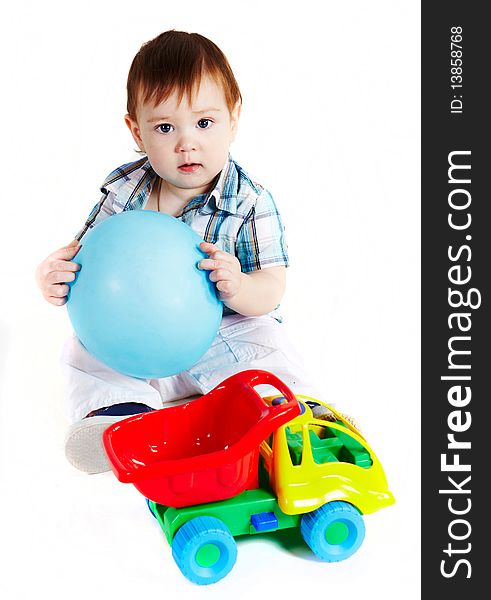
(187, 144)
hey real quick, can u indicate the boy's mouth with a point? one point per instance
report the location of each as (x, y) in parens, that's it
(189, 167)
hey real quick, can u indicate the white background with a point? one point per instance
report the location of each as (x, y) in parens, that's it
(330, 124)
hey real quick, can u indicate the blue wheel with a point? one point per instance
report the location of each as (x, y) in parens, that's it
(204, 550)
(150, 508)
(334, 531)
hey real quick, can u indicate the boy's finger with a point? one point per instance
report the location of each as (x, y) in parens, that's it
(56, 300)
(60, 276)
(218, 254)
(221, 275)
(58, 290)
(207, 245)
(66, 252)
(64, 265)
(225, 287)
(208, 264)
(208, 248)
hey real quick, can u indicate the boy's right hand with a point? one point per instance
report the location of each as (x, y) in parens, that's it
(55, 271)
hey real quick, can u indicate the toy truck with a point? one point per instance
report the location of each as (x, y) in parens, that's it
(233, 463)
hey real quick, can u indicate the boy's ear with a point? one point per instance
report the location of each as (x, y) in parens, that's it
(234, 119)
(135, 131)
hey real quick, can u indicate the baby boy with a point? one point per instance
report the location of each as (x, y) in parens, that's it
(183, 111)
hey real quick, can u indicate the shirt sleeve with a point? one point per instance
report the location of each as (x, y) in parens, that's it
(101, 211)
(261, 239)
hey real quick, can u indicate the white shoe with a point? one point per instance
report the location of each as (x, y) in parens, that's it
(83, 443)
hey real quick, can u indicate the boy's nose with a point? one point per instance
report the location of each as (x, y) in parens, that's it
(186, 144)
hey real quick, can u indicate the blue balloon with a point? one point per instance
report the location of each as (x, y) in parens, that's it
(139, 303)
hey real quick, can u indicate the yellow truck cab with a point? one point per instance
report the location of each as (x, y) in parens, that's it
(311, 462)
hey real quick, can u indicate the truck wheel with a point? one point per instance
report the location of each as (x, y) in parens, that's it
(334, 531)
(150, 508)
(204, 550)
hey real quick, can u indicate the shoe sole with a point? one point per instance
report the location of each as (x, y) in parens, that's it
(83, 444)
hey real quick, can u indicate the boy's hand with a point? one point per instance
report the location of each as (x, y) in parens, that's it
(225, 270)
(53, 273)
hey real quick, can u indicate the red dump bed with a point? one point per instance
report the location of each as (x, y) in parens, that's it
(201, 451)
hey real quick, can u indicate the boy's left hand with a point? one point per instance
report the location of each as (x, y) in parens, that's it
(225, 270)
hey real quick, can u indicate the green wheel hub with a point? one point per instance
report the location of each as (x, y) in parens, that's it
(207, 555)
(337, 532)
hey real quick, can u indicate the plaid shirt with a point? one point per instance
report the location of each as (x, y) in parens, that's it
(238, 214)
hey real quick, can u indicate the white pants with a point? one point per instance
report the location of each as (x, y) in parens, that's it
(242, 343)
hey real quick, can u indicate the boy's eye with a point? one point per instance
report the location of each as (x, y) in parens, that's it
(204, 123)
(165, 128)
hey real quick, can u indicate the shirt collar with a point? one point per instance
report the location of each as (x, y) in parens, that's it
(223, 196)
(126, 178)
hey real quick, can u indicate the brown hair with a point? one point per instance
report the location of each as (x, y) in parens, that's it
(176, 61)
